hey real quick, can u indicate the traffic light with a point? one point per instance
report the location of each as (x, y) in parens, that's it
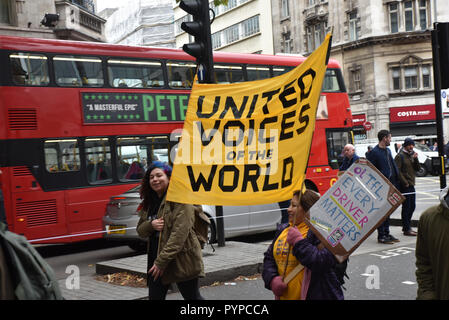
(199, 28)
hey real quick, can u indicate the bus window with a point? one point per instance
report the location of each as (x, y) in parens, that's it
(336, 141)
(331, 83)
(135, 74)
(255, 72)
(228, 73)
(278, 70)
(29, 69)
(98, 160)
(180, 73)
(61, 155)
(78, 71)
(158, 148)
(132, 157)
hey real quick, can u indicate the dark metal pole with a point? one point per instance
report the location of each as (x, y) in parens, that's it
(207, 63)
(220, 226)
(438, 111)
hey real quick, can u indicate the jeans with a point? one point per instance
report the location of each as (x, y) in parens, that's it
(384, 229)
(408, 207)
(189, 289)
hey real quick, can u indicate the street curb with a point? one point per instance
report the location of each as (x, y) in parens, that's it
(211, 277)
(220, 265)
(398, 223)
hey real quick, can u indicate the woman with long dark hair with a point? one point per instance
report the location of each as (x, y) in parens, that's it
(174, 252)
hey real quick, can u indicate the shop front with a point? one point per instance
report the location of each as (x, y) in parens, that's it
(413, 120)
(357, 127)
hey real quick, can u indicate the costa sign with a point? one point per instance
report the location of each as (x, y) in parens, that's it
(413, 113)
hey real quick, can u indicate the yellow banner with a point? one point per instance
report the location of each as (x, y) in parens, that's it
(248, 143)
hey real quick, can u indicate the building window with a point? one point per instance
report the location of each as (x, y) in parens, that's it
(216, 40)
(285, 11)
(286, 43)
(408, 15)
(220, 9)
(352, 17)
(426, 76)
(232, 33)
(396, 78)
(315, 35)
(236, 32)
(411, 78)
(87, 5)
(423, 14)
(394, 19)
(4, 12)
(410, 74)
(356, 80)
(250, 26)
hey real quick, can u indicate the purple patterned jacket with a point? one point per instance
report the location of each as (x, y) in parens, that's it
(324, 284)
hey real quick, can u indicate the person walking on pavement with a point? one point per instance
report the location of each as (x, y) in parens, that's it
(174, 251)
(407, 163)
(432, 251)
(349, 157)
(299, 255)
(382, 159)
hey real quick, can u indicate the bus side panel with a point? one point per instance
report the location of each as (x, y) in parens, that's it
(31, 211)
(86, 208)
(39, 213)
(318, 151)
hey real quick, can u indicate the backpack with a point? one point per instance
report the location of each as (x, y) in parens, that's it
(340, 272)
(201, 225)
(31, 276)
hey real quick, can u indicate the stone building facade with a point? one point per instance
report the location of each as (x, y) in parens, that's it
(384, 48)
(52, 19)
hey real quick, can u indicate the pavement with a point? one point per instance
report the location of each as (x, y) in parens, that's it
(221, 264)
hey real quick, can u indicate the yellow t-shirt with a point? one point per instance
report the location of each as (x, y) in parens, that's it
(280, 252)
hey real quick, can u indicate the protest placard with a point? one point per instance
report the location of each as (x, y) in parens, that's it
(360, 200)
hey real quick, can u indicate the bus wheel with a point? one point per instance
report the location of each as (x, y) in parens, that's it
(422, 172)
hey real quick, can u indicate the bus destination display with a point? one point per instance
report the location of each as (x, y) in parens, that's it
(107, 107)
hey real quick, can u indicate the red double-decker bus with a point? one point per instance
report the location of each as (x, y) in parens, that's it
(81, 120)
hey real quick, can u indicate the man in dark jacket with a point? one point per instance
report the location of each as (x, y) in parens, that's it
(382, 159)
(408, 164)
(349, 157)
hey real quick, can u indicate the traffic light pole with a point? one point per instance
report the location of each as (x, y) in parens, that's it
(201, 49)
(436, 33)
(199, 28)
